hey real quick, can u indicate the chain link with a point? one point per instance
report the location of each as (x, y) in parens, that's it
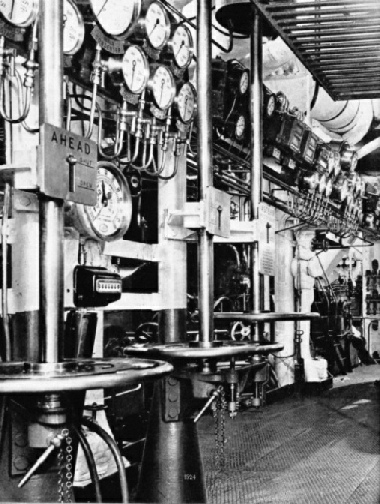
(218, 411)
(65, 471)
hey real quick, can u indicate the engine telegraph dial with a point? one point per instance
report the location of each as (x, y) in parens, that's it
(110, 218)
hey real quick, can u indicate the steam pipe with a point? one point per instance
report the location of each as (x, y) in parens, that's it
(51, 211)
(205, 246)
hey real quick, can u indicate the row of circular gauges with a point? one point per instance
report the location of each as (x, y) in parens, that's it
(116, 17)
(139, 75)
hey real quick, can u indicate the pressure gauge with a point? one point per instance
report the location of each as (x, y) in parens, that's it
(244, 82)
(186, 103)
(110, 218)
(182, 46)
(163, 87)
(116, 16)
(240, 127)
(157, 25)
(20, 13)
(269, 103)
(73, 28)
(135, 69)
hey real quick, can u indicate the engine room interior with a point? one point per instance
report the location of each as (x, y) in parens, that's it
(190, 247)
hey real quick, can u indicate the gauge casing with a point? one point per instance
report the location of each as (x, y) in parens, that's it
(135, 69)
(21, 13)
(116, 17)
(186, 103)
(182, 46)
(73, 28)
(163, 88)
(157, 25)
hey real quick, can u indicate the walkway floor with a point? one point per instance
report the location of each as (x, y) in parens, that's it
(320, 449)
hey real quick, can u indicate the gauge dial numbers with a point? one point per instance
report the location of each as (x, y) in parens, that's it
(185, 103)
(73, 28)
(163, 87)
(116, 17)
(135, 69)
(21, 13)
(157, 25)
(110, 218)
(182, 46)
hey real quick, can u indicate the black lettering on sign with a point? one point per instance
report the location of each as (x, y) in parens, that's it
(54, 138)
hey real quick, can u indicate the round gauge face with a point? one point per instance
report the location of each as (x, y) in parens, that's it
(135, 69)
(244, 82)
(111, 216)
(157, 25)
(163, 87)
(182, 43)
(73, 28)
(116, 16)
(21, 13)
(240, 127)
(186, 103)
(270, 106)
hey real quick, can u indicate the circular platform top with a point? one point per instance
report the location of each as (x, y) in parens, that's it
(21, 378)
(190, 352)
(265, 316)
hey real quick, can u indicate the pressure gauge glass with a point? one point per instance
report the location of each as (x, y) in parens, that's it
(157, 25)
(163, 87)
(269, 105)
(240, 127)
(21, 13)
(73, 28)
(116, 16)
(111, 216)
(182, 44)
(135, 69)
(186, 103)
(244, 82)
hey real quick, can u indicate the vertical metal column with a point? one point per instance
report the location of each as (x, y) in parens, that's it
(51, 211)
(256, 154)
(205, 247)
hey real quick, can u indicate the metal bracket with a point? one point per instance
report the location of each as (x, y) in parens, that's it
(172, 399)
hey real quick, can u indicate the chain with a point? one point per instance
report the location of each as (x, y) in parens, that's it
(218, 412)
(65, 472)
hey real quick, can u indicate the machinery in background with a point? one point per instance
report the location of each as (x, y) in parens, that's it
(129, 191)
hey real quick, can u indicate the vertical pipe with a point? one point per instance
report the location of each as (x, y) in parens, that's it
(51, 211)
(256, 114)
(256, 153)
(205, 247)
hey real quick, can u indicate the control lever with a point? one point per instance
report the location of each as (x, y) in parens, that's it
(54, 443)
(214, 394)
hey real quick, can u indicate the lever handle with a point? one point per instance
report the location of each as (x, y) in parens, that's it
(54, 443)
(213, 396)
